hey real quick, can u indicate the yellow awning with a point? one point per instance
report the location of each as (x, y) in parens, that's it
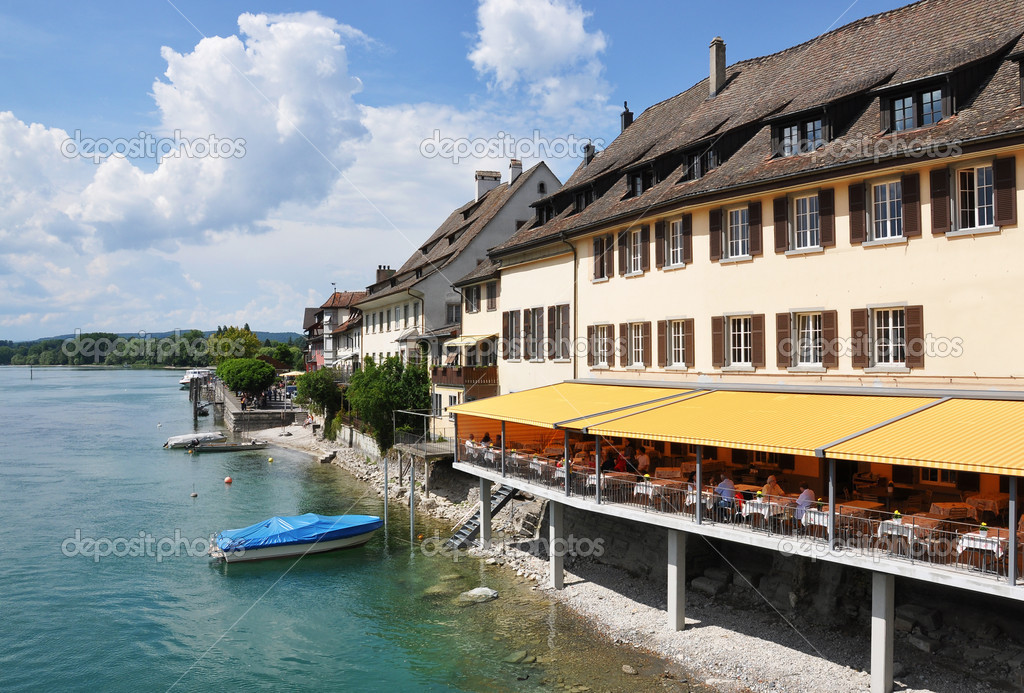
(468, 340)
(985, 436)
(553, 404)
(771, 422)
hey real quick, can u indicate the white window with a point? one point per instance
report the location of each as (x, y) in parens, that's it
(416, 314)
(453, 313)
(515, 349)
(435, 402)
(737, 233)
(675, 243)
(560, 336)
(808, 339)
(890, 338)
(473, 299)
(405, 315)
(976, 196)
(603, 346)
(741, 342)
(388, 323)
(636, 344)
(887, 210)
(677, 343)
(806, 227)
(790, 140)
(635, 252)
(452, 401)
(535, 316)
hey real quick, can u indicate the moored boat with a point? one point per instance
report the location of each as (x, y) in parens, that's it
(228, 446)
(282, 537)
(192, 439)
(193, 374)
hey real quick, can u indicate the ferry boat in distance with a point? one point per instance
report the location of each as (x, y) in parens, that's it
(283, 537)
(193, 374)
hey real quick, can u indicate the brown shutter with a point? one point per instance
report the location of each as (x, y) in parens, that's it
(914, 321)
(662, 343)
(527, 332)
(645, 248)
(659, 244)
(754, 225)
(715, 234)
(757, 340)
(609, 256)
(1004, 171)
(717, 341)
(688, 238)
(539, 353)
(830, 337)
(623, 344)
(505, 337)
(622, 241)
(910, 185)
(688, 341)
(827, 218)
(940, 201)
(780, 212)
(647, 344)
(783, 340)
(565, 349)
(598, 258)
(860, 338)
(550, 350)
(591, 333)
(858, 216)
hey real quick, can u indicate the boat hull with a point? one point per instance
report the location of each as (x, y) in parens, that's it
(291, 550)
(229, 447)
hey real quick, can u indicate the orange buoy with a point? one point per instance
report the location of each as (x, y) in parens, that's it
(227, 480)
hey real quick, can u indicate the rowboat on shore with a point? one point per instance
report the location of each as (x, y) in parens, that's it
(192, 439)
(229, 447)
(282, 537)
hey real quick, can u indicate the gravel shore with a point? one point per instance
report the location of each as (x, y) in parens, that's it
(733, 642)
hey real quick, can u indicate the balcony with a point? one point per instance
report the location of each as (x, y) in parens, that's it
(479, 382)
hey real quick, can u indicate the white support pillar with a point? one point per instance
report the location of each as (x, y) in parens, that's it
(882, 631)
(556, 544)
(676, 579)
(485, 512)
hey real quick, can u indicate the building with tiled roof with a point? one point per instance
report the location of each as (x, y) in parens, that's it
(326, 344)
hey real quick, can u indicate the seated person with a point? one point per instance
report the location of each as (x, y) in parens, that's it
(805, 501)
(772, 488)
(726, 492)
(609, 461)
(486, 440)
(621, 464)
(643, 463)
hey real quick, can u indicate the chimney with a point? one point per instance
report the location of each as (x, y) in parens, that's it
(589, 152)
(717, 66)
(485, 181)
(515, 168)
(384, 272)
(627, 116)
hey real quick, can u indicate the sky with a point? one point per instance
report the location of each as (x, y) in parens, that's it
(187, 164)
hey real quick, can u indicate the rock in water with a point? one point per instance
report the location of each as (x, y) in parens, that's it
(516, 657)
(626, 669)
(478, 595)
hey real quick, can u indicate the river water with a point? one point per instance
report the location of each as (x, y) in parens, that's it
(139, 607)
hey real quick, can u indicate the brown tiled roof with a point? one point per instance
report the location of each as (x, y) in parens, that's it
(451, 237)
(925, 39)
(488, 269)
(344, 299)
(309, 318)
(352, 322)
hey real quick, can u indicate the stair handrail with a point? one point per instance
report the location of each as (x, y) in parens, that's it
(477, 507)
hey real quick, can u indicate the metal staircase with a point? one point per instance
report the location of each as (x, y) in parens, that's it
(471, 527)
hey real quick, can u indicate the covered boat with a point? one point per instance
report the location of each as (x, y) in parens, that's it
(238, 446)
(280, 537)
(193, 439)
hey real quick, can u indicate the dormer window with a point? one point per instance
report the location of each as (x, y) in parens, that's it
(545, 213)
(582, 199)
(800, 137)
(641, 181)
(699, 163)
(915, 109)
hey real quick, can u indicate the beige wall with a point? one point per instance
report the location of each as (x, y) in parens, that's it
(970, 288)
(381, 339)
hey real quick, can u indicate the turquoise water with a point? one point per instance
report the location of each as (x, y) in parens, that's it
(81, 456)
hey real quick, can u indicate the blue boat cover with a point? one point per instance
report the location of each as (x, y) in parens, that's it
(298, 529)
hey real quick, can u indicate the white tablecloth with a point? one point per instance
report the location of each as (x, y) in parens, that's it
(919, 528)
(973, 541)
(764, 507)
(691, 498)
(815, 517)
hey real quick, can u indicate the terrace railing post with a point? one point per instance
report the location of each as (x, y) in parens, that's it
(698, 511)
(1011, 572)
(831, 503)
(597, 468)
(502, 449)
(565, 460)
(456, 438)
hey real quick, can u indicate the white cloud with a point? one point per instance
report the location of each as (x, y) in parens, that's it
(543, 46)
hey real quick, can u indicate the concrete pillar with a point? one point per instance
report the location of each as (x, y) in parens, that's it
(676, 579)
(882, 631)
(556, 544)
(485, 512)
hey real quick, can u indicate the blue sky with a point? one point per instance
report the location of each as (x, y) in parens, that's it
(332, 101)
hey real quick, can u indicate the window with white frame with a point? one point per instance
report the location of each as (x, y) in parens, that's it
(453, 313)
(806, 229)
(515, 349)
(737, 233)
(790, 140)
(416, 314)
(809, 340)
(887, 210)
(890, 336)
(675, 243)
(741, 341)
(603, 345)
(534, 329)
(636, 344)
(635, 252)
(452, 401)
(435, 402)
(677, 343)
(560, 335)
(945, 477)
(387, 324)
(975, 197)
(472, 299)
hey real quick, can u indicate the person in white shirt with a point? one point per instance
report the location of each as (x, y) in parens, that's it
(805, 501)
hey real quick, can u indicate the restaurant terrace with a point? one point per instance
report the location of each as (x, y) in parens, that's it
(915, 483)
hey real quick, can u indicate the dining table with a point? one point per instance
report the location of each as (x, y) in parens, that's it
(915, 527)
(992, 502)
(954, 510)
(990, 545)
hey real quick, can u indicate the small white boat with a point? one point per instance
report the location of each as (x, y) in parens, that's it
(229, 446)
(191, 439)
(283, 537)
(194, 374)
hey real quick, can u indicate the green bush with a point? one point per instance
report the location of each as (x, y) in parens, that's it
(250, 376)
